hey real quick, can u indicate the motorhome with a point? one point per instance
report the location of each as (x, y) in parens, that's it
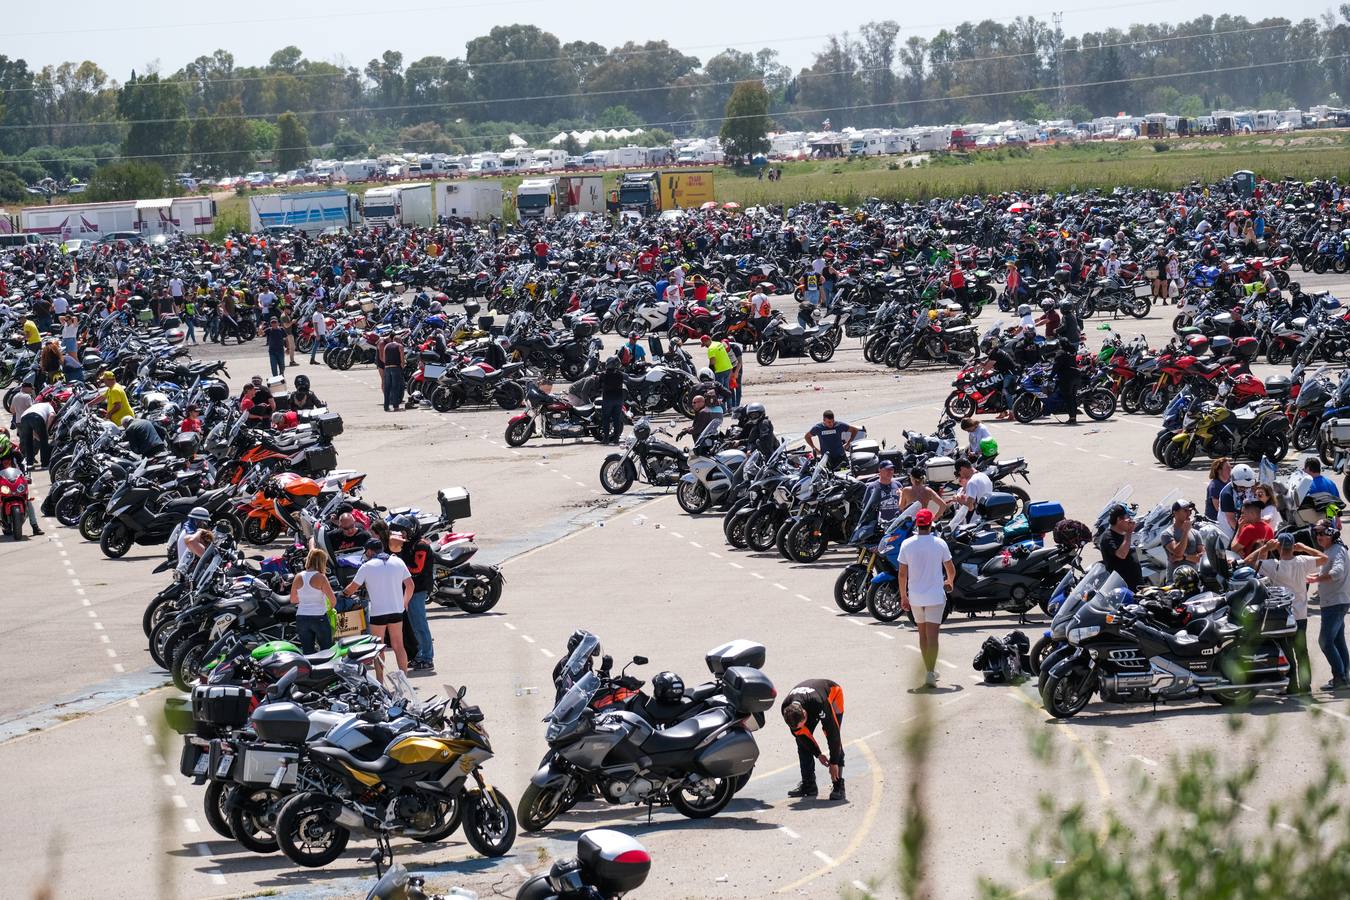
(549, 160)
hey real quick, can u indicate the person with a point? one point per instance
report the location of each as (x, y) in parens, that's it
(1070, 330)
(143, 438)
(816, 701)
(303, 396)
(34, 433)
(827, 439)
(49, 363)
(611, 402)
(11, 458)
(1067, 375)
(192, 421)
(1321, 484)
(70, 331)
(1007, 368)
(276, 346)
(632, 352)
(703, 417)
(925, 575)
(1290, 565)
(918, 491)
(976, 435)
(313, 597)
(261, 406)
(1219, 472)
(22, 400)
(737, 377)
(1117, 552)
(417, 555)
(114, 400)
(32, 337)
(975, 486)
(389, 585)
(1180, 541)
(193, 538)
(288, 326)
(1241, 480)
(1265, 495)
(719, 359)
(320, 342)
(349, 535)
(392, 354)
(1333, 596)
(883, 496)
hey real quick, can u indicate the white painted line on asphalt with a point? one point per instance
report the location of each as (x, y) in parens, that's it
(1104, 456)
(179, 802)
(118, 667)
(74, 582)
(736, 565)
(521, 870)
(1247, 808)
(167, 779)
(527, 639)
(1285, 826)
(509, 625)
(1144, 759)
(104, 638)
(191, 825)
(859, 885)
(216, 877)
(826, 608)
(139, 720)
(976, 678)
(779, 586)
(696, 544)
(912, 648)
(1059, 443)
(84, 602)
(804, 597)
(859, 622)
(757, 575)
(547, 653)
(677, 534)
(714, 555)
(884, 636)
(1332, 712)
(823, 857)
(789, 832)
(98, 626)
(62, 552)
(112, 654)
(947, 664)
(80, 591)
(516, 452)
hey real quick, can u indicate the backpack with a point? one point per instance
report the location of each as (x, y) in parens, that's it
(1004, 661)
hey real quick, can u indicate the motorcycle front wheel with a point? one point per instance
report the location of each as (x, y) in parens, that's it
(1065, 694)
(540, 806)
(850, 588)
(693, 498)
(69, 508)
(307, 834)
(766, 354)
(959, 405)
(489, 822)
(733, 529)
(1178, 454)
(92, 521)
(115, 541)
(807, 541)
(1027, 408)
(616, 476)
(694, 805)
(761, 530)
(517, 433)
(883, 601)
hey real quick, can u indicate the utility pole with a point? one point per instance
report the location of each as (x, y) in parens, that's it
(1061, 102)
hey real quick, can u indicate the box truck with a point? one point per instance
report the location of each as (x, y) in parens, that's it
(86, 221)
(581, 193)
(537, 198)
(307, 211)
(405, 204)
(477, 201)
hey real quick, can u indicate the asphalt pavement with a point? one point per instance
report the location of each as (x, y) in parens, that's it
(101, 809)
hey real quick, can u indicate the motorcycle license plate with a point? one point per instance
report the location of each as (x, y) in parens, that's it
(200, 767)
(226, 761)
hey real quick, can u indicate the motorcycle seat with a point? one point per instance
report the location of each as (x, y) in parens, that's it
(1181, 643)
(378, 766)
(685, 735)
(583, 408)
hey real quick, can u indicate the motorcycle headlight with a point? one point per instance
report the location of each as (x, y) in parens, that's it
(1078, 635)
(4, 489)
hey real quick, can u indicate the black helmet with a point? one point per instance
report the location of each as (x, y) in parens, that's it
(302, 383)
(753, 412)
(667, 687)
(1071, 533)
(1186, 579)
(576, 638)
(642, 429)
(406, 524)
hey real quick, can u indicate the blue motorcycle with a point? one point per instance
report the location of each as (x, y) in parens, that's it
(1038, 395)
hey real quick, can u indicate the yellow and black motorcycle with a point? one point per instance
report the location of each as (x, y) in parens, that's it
(419, 784)
(1252, 431)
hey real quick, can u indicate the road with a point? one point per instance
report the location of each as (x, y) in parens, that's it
(100, 801)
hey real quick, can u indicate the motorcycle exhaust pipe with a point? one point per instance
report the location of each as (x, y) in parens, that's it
(1257, 686)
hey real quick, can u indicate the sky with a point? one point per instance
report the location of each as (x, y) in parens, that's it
(166, 34)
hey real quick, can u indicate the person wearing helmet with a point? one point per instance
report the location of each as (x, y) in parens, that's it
(1241, 480)
(406, 542)
(303, 397)
(1025, 319)
(757, 429)
(1180, 541)
(1291, 565)
(1050, 318)
(11, 458)
(611, 401)
(1067, 378)
(816, 701)
(1070, 328)
(1333, 596)
(193, 538)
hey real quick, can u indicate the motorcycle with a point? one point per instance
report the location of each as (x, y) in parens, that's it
(645, 459)
(553, 417)
(780, 339)
(460, 583)
(13, 502)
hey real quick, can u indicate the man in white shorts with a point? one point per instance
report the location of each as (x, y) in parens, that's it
(926, 574)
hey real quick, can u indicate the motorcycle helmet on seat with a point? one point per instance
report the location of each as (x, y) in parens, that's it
(1071, 533)
(668, 687)
(1186, 579)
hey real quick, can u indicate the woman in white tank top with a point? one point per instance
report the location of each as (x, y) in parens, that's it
(313, 597)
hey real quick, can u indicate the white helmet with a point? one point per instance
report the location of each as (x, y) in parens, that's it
(706, 374)
(1243, 475)
(1024, 310)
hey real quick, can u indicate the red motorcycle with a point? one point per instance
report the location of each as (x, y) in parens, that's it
(979, 389)
(13, 502)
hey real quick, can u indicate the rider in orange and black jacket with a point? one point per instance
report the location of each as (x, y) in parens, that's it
(817, 701)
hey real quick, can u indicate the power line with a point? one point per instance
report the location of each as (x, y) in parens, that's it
(802, 112)
(403, 107)
(612, 54)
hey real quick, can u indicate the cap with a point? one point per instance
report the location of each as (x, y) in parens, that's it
(923, 518)
(886, 464)
(374, 544)
(1183, 504)
(1286, 539)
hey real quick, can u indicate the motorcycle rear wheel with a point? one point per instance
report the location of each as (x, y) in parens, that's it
(510, 395)
(484, 593)
(252, 819)
(213, 807)
(821, 350)
(1139, 307)
(699, 807)
(307, 834)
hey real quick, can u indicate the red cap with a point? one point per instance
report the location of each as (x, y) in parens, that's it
(923, 518)
(705, 340)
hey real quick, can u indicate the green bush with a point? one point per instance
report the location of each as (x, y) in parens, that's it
(12, 187)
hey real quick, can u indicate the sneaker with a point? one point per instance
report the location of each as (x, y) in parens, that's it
(803, 790)
(930, 680)
(1335, 684)
(837, 791)
(37, 531)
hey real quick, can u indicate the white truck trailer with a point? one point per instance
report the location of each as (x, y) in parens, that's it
(403, 204)
(307, 211)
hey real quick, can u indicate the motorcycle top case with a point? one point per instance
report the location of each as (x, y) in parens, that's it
(749, 690)
(941, 469)
(615, 862)
(739, 652)
(226, 705)
(281, 723)
(454, 503)
(999, 505)
(329, 424)
(1043, 516)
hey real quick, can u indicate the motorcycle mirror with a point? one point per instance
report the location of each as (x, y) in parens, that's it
(463, 689)
(639, 660)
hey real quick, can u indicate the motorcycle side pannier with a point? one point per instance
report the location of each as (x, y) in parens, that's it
(1042, 516)
(615, 862)
(454, 503)
(281, 723)
(321, 459)
(739, 652)
(178, 713)
(329, 424)
(1338, 432)
(749, 690)
(221, 704)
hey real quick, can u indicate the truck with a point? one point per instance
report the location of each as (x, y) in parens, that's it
(91, 221)
(537, 198)
(639, 192)
(9, 223)
(581, 193)
(647, 193)
(307, 211)
(477, 201)
(404, 204)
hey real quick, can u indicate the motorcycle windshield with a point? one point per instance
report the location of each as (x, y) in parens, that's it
(574, 702)
(579, 662)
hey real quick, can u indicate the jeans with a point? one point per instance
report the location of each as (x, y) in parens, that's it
(1332, 641)
(33, 439)
(314, 633)
(611, 420)
(1009, 379)
(316, 345)
(191, 322)
(807, 762)
(417, 618)
(278, 360)
(393, 387)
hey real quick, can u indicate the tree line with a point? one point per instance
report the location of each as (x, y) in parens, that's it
(220, 117)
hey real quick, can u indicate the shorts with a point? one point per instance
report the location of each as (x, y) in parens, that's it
(389, 619)
(928, 614)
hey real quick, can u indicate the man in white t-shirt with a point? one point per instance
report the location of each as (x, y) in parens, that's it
(265, 301)
(925, 575)
(389, 586)
(975, 486)
(320, 334)
(1288, 564)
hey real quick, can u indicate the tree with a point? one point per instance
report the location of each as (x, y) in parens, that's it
(349, 142)
(292, 149)
(12, 187)
(521, 61)
(746, 126)
(157, 128)
(427, 137)
(223, 141)
(129, 180)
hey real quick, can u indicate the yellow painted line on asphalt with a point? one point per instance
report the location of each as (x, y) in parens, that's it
(869, 819)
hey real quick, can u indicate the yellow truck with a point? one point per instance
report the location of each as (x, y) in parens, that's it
(686, 188)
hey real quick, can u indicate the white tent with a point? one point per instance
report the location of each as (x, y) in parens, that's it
(516, 140)
(558, 138)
